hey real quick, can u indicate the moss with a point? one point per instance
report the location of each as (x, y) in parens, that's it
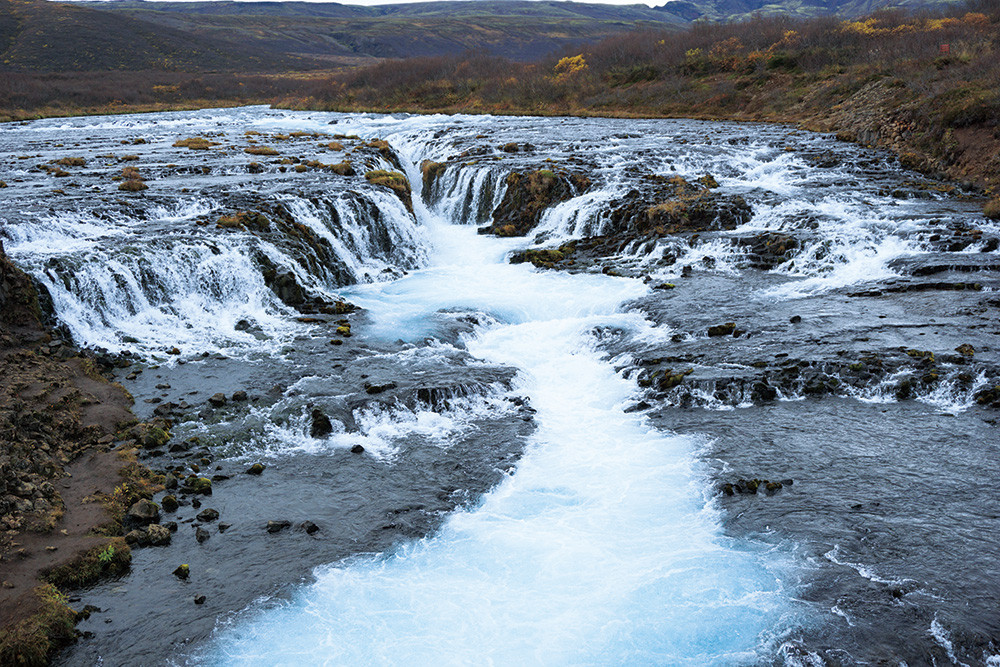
(32, 641)
(228, 222)
(109, 559)
(260, 150)
(335, 146)
(395, 181)
(546, 258)
(195, 143)
(132, 185)
(299, 168)
(343, 168)
(71, 162)
(430, 171)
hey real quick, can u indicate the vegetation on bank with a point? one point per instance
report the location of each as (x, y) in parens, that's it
(922, 85)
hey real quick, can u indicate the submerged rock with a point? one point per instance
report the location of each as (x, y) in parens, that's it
(277, 526)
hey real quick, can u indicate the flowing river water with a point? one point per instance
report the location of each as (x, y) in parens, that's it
(517, 492)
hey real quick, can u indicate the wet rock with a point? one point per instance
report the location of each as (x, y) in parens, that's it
(277, 526)
(158, 536)
(989, 397)
(379, 388)
(767, 250)
(197, 485)
(795, 319)
(527, 196)
(966, 350)
(321, 425)
(217, 400)
(223, 527)
(726, 329)
(239, 396)
(142, 513)
(171, 526)
(207, 515)
(199, 599)
(201, 534)
(256, 468)
(169, 503)
(357, 449)
(309, 527)
(155, 437)
(182, 571)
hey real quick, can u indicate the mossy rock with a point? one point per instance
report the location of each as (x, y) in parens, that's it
(430, 170)
(344, 168)
(527, 197)
(155, 437)
(195, 143)
(395, 181)
(726, 329)
(546, 258)
(260, 150)
(132, 185)
(197, 485)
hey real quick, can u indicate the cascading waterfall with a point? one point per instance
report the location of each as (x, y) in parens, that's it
(600, 548)
(149, 279)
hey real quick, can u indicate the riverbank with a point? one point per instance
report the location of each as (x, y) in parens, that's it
(67, 475)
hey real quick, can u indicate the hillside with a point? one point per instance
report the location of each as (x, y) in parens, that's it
(40, 36)
(328, 31)
(924, 85)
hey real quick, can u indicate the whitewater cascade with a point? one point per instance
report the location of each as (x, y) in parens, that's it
(600, 548)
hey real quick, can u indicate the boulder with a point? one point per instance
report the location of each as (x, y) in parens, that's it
(207, 515)
(142, 513)
(321, 426)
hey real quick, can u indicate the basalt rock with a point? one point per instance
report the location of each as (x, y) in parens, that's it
(321, 425)
(527, 196)
(142, 513)
(674, 206)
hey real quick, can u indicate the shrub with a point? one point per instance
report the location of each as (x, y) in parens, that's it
(992, 209)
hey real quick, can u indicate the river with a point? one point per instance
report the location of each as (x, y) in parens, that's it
(520, 465)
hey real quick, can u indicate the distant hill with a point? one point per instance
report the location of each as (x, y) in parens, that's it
(133, 35)
(328, 31)
(41, 36)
